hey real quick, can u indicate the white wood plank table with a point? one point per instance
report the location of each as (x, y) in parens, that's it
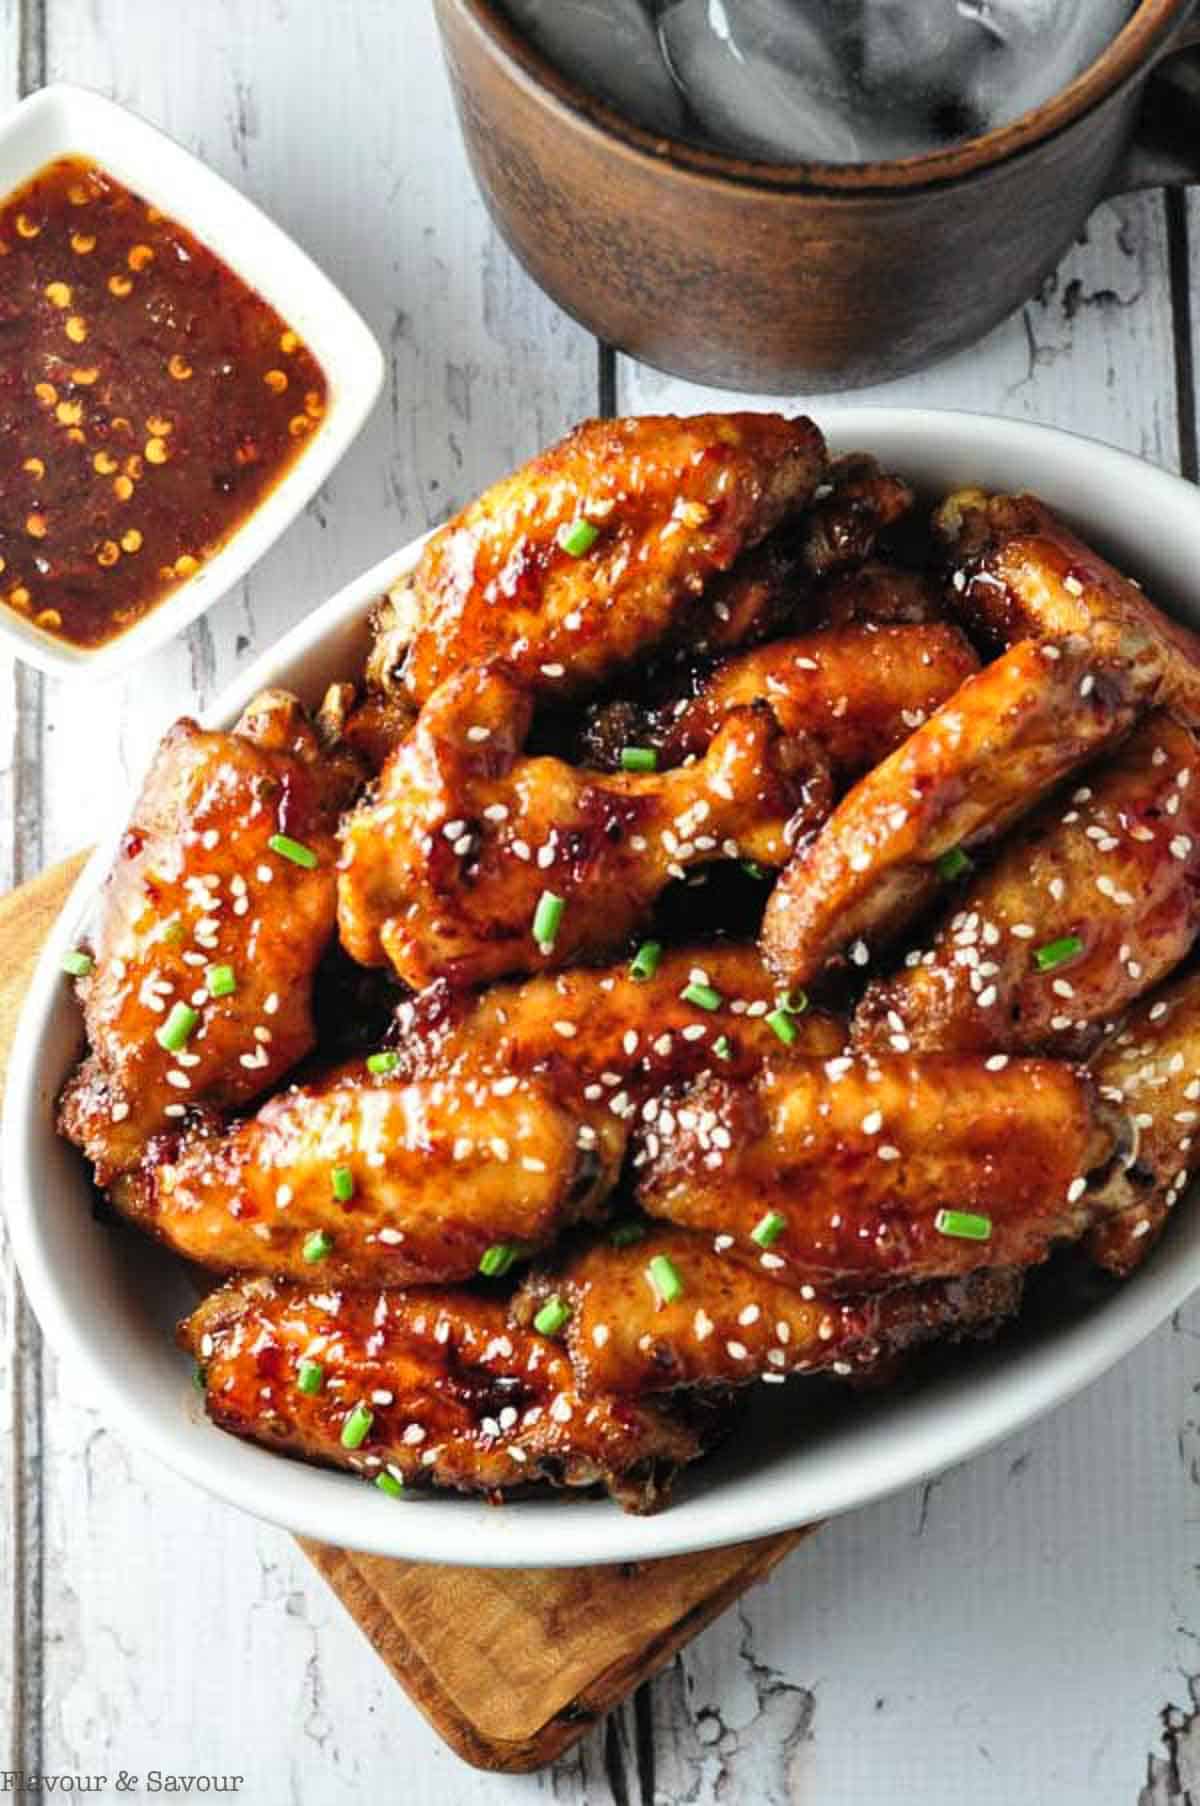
(1025, 1629)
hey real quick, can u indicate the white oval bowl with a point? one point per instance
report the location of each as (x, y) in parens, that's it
(108, 1300)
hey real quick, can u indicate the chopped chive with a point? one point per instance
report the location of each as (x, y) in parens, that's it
(703, 996)
(357, 1427)
(780, 1021)
(552, 1317)
(295, 850)
(794, 1002)
(953, 864)
(753, 869)
(645, 961)
(639, 758)
(547, 918)
(220, 981)
(664, 1276)
(382, 1062)
(317, 1246)
(497, 1259)
(77, 963)
(310, 1377)
(199, 1377)
(342, 1181)
(963, 1223)
(578, 538)
(767, 1231)
(389, 1484)
(623, 1235)
(722, 1048)
(1056, 953)
(176, 1030)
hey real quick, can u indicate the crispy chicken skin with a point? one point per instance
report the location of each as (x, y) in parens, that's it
(673, 503)
(856, 692)
(196, 885)
(369, 724)
(1114, 867)
(1016, 571)
(451, 1393)
(437, 1173)
(1150, 1067)
(845, 1164)
(622, 1037)
(1008, 735)
(731, 1324)
(885, 595)
(788, 577)
(859, 501)
(443, 869)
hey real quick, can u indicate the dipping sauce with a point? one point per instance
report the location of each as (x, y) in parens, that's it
(149, 400)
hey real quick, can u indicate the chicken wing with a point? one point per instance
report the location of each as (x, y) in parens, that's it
(620, 1036)
(856, 692)
(858, 501)
(429, 1388)
(671, 1311)
(443, 870)
(857, 1172)
(886, 595)
(1016, 571)
(1088, 904)
(983, 758)
(213, 920)
(599, 549)
(369, 1179)
(1151, 1068)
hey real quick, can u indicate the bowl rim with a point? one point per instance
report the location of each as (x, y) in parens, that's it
(912, 1438)
(64, 119)
(1131, 53)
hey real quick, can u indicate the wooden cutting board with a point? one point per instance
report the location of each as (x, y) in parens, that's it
(510, 1667)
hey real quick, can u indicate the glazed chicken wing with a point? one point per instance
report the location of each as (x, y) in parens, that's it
(857, 1172)
(855, 692)
(859, 501)
(369, 1179)
(430, 1388)
(213, 920)
(1088, 904)
(1151, 1068)
(789, 576)
(983, 758)
(620, 1035)
(1016, 571)
(720, 1323)
(597, 550)
(444, 868)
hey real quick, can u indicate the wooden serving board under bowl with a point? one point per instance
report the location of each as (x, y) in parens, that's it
(551, 1650)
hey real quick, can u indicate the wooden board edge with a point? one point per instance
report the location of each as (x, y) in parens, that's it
(373, 1614)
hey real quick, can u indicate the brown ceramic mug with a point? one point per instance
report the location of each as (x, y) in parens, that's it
(793, 277)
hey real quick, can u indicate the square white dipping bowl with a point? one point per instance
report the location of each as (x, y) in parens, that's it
(64, 121)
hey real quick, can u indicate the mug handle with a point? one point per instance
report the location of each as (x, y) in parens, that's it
(1165, 149)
